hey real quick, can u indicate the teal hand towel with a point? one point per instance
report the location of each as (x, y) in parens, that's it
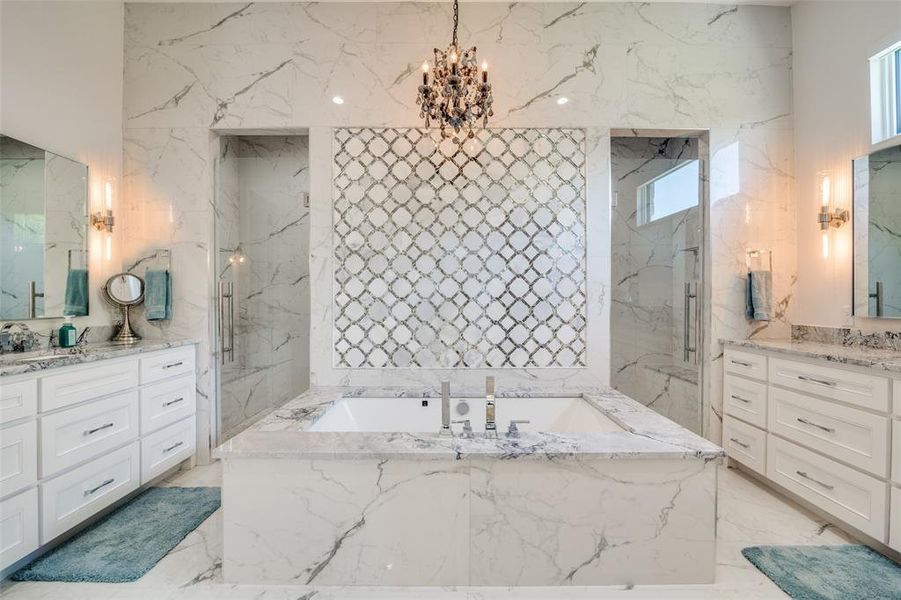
(76, 304)
(760, 295)
(158, 296)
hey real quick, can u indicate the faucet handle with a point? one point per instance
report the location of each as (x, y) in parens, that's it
(467, 427)
(513, 430)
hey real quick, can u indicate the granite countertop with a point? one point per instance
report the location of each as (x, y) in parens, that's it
(859, 356)
(18, 363)
(283, 434)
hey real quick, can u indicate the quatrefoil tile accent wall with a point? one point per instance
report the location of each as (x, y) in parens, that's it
(459, 256)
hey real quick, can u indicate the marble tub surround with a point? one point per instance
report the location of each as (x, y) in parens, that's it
(859, 356)
(646, 434)
(727, 69)
(18, 363)
(631, 506)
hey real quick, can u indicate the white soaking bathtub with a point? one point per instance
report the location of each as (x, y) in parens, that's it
(423, 415)
(345, 487)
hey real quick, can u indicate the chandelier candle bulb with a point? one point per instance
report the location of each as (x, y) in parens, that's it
(484, 72)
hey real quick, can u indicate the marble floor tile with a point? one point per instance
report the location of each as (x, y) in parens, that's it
(749, 514)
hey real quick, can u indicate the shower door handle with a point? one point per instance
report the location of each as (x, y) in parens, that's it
(878, 295)
(687, 347)
(226, 321)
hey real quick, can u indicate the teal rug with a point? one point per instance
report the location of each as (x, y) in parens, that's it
(129, 541)
(828, 572)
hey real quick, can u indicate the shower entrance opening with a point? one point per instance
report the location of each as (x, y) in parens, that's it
(261, 290)
(657, 270)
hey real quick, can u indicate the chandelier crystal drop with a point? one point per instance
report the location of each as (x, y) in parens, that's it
(455, 94)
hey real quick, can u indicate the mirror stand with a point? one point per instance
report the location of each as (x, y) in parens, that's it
(125, 335)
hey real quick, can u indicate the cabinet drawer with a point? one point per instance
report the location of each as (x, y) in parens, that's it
(18, 399)
(170, 363)
(896, 393)
(745, 399)
(745, 444)
(80, 433)
(857, 499)
(895, 526)
(896, 451)
(87, 382)
(18, 457)
(166, 402)
(18, 527)
(166, 448)
(861, 389)
(853, 436)
(74, 496)
(745, 363)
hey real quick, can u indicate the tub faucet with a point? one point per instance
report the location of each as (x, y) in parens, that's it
(445, 409)
(490, 425)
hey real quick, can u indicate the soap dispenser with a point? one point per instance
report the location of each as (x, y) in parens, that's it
(67, 335)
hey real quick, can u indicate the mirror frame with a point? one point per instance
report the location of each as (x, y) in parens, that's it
(114, 301)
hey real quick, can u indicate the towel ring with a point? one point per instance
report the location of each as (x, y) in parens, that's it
(751, 254)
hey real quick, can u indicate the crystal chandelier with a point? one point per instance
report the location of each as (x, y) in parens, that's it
(458, 94)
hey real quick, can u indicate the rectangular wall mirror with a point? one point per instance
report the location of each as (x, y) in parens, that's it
(43, 233)
(877, 234)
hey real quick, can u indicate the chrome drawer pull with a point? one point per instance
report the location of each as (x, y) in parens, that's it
(815, 380)
(740, 363)
(740, 443)
(812, 424)
(171, 402)
(816, 481)
(104, 484)
(96, 429)
(175, 364)
(173, 447)
(740, 399)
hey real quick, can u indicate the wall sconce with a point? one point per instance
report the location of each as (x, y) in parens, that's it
(104, 220)
(828, 217)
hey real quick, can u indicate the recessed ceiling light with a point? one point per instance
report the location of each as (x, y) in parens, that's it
(338, 100)
(562, 100)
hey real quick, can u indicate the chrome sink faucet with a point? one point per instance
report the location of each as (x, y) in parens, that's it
(490, 424)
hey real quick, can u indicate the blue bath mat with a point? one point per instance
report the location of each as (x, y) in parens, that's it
(828, 572)
(128, 542)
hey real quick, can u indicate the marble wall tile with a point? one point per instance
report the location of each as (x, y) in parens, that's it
(721, 68)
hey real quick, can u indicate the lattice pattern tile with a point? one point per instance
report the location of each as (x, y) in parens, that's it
(459, 257)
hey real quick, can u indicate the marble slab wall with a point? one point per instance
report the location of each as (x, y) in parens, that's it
(195, 69)
(459, 256)
(263, 247)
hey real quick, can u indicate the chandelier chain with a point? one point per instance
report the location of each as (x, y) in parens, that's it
(456, 20)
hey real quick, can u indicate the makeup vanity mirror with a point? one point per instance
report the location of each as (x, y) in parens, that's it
(877, 234)
(123, 291)
(43, 233)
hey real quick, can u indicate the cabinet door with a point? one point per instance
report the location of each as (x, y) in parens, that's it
(18, 527)
(18, 399)
(18, 457)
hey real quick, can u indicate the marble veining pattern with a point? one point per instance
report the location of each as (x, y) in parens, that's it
(11, 364)
(254, 66)
(456, 255)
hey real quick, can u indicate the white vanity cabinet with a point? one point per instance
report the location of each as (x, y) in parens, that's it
(74, 440)
(828, 433)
